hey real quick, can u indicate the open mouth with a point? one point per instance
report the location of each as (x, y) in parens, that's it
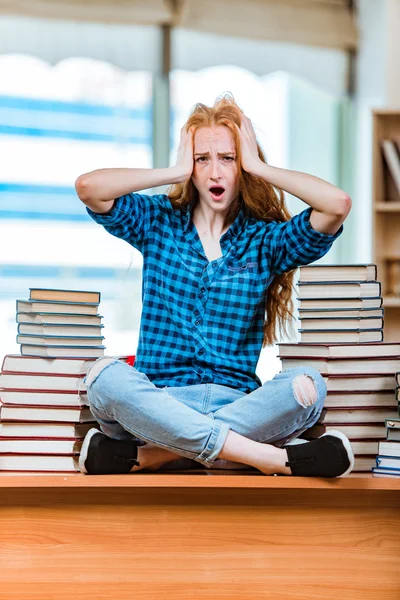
(217, 191)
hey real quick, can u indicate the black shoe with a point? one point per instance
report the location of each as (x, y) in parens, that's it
(100, 455)
(328, 456)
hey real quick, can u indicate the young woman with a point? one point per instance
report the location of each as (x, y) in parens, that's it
(219, 253)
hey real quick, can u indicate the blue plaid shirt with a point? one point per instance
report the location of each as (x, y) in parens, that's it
(202, 322)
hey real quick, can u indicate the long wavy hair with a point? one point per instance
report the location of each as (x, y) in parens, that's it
(258, 199)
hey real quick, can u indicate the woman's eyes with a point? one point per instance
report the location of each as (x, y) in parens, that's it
(204, 158)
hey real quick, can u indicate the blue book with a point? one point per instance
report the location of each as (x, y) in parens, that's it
(57, 318)
(380, 472)
(50, 307)
(62, 351)
(388, 462)
(60, 330)
(54, 340)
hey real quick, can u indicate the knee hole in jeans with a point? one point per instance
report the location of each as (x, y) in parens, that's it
(304, 390)
(96, 368)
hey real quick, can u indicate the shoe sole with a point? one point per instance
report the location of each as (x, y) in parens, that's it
(348, 447)
(85, 448)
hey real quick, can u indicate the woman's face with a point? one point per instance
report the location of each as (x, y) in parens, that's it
(215, 171)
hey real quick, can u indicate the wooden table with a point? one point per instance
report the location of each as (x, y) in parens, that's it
(199, 536)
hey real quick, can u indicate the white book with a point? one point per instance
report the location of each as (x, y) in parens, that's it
(365, 446)
(360, 383)
(44, 398)
(366, 272)
(28, 462)
(373, 365)
(344, 336)
(36, 364)
(385, 399)
(353, 432)
(340, 303)
(19, 381)
(44, 413)
(339, 289)
(44, 430)
(389, 448)
(336, 323)
(363, 464)
(354, 313)
(388, 349)
(44, 446)
(358, 415)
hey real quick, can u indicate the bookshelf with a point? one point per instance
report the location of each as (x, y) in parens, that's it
(386, 222)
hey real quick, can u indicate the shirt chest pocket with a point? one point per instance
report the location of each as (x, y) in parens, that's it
(243, 267)
(239, 274)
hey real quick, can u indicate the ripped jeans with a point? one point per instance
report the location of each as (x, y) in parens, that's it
(194, 421)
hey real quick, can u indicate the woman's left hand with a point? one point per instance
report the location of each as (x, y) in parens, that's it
(248, 145)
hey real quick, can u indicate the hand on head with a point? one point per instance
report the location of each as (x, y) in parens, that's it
(248, 145)
(184, 159)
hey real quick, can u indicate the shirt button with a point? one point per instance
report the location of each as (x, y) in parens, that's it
(202, 289)
(201, 352)
(197, 322)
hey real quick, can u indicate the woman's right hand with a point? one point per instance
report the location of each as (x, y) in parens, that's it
(98, 188)
(184, 161)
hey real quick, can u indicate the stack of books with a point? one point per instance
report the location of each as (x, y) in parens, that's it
(388, 459)
(344, 322)
(56, 323)
(360, 391)
(44, 413)
(340, 304)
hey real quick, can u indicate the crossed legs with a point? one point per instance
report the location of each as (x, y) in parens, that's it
(128, 404)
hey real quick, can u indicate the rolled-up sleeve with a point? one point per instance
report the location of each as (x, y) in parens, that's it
(295, 243)
(131, 216)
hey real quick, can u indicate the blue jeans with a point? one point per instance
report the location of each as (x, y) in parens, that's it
(194, 421)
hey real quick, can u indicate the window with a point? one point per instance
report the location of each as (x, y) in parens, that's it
(56, 123)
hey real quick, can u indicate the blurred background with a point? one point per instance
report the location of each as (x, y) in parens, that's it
(102, 83)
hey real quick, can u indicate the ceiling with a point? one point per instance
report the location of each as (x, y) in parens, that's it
(323, 23)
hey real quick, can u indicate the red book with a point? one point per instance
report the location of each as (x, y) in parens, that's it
(30, 414)
(17, 363)
(37, 431)
(38, 463)
(44, 398)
